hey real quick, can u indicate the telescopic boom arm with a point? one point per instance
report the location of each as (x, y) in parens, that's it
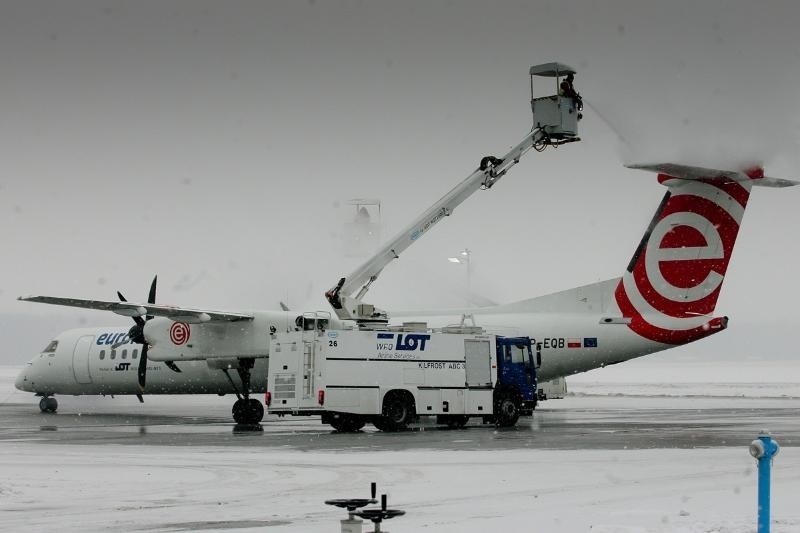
(489, 172)
(346, 296)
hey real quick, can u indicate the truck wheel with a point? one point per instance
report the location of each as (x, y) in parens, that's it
(398, 412)
(506, 410)
(347, 423)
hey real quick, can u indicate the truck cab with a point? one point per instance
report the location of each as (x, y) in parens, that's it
(516, 370)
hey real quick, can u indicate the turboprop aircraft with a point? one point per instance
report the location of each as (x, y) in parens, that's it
(666, 297)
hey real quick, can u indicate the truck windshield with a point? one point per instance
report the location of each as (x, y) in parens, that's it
(517, 354)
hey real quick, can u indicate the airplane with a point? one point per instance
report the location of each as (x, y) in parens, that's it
(666, 297)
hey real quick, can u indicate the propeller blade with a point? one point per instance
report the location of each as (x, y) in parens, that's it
(142, 373)
(172, 366)
(137, 319)
(151, 298)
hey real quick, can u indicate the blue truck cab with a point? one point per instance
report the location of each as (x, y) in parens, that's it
(516, 377)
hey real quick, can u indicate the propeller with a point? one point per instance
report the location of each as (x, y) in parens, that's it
(136, 333)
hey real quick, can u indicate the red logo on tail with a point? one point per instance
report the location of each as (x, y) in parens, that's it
(674, 280)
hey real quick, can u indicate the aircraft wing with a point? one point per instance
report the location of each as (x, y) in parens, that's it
(178, 314)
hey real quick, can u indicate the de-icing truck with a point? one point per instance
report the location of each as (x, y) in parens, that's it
(392, 375)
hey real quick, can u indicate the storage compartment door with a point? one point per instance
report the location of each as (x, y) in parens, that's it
(478, 357)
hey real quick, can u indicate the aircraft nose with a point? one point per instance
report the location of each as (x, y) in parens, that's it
(22, 382)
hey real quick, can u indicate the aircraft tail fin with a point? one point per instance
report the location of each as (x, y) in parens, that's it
(672, 283)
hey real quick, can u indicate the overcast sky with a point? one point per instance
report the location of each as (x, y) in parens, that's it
(216, 144)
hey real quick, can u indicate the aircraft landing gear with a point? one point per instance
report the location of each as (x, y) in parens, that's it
(245, 410)
(48, 404)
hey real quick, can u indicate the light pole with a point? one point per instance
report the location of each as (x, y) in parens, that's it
(464, 258)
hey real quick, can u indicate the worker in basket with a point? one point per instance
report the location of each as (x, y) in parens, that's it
(568, 90)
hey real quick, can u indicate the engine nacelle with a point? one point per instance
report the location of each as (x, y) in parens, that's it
(171, 340)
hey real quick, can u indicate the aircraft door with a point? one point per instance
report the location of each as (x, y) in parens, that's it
(80, 359)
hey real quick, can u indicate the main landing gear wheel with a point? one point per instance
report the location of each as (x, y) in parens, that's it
(247, 411)
(48, 404)
(346, 423)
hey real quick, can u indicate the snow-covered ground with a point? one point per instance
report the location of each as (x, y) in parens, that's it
(660, 376)
(104, 487)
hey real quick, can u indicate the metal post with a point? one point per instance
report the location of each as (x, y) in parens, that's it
(764, 448)
(468, 254)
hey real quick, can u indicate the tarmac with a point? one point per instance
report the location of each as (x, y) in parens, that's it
(574, 423)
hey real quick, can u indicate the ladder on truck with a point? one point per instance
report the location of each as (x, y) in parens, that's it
(555, 122)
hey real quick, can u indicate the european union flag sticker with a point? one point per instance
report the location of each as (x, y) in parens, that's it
(590, 342)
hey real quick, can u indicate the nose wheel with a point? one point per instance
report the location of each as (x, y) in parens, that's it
(48, 404)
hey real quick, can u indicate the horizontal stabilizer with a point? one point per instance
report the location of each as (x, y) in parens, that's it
(178, 314)
(754, 176)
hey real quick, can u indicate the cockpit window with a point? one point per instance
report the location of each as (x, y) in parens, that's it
(51, 348)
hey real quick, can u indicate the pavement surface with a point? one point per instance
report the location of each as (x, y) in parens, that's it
(573, 423)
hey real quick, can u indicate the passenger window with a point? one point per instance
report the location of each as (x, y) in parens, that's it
(134, 354)
(102, 354)
(113, 354)
(124, 354)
